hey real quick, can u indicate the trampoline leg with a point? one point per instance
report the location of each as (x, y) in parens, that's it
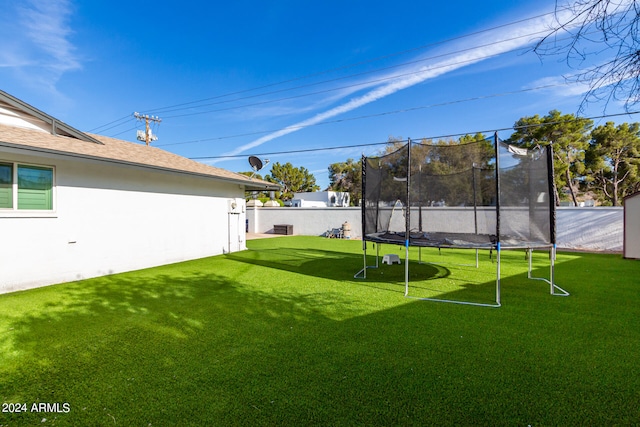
(498, 274)
(406, 270)
(362, 274)
(364, 262)
(552, 258)
(554, 289)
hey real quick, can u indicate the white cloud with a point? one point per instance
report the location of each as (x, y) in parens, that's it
(37, 36)
(47, 28)
(509, 38)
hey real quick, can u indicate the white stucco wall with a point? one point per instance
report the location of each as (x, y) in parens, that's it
(632, 227)
(112, 218)
(597, 229)
(305, 221)
(594, 229)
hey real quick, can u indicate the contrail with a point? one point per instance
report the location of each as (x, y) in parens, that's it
(504, 41)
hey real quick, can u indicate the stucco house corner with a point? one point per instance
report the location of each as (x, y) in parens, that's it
(75, 205)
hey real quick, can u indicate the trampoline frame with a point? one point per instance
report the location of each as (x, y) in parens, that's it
(551, 246)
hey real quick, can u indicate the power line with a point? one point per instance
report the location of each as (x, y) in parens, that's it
(376, 59)
(341, 147)
(366, 83)
(369, 82)
(191, 103)
(386, 113)
(128, 116)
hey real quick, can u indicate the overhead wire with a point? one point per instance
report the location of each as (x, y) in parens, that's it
(191, 104)
(437, 137)
(128, 116)
(377, 70)
(167, 109)
(353, 65)
(368, 82)
(395, 76)
(386, 113)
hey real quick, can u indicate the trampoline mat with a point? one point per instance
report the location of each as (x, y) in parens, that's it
(452, 240)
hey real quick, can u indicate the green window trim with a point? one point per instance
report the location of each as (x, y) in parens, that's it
(6, 185)
(26, 187)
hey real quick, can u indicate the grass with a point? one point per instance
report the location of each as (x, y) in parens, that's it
(283, 334)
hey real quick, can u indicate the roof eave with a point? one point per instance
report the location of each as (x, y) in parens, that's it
(262, 187)
(55, 123)
(249, 185)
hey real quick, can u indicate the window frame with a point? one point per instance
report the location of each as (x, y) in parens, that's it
(14, 210)
(8, 190)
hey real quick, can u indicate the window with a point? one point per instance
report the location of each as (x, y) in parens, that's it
(6, 186)
(26, 187)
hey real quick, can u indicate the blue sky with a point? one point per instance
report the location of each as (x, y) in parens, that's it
(254, 77)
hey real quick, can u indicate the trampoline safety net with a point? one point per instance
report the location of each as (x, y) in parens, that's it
(472, 195)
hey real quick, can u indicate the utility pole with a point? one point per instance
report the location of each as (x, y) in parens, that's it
(147, 136)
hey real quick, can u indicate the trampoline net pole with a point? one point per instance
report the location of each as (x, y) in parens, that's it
(497, 146)
(407, 221)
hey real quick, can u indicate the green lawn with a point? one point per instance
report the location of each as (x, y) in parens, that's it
(282, 334)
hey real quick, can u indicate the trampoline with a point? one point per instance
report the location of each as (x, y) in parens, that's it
(484, 194)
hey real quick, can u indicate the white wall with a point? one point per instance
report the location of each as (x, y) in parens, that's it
(113, 218)
(596, 229)
(305, 221)
(632, 227)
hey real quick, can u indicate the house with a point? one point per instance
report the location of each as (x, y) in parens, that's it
(75, 205)
(320, 199)
(631, 239)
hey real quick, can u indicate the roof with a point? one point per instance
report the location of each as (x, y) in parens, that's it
(57, 127)
(123, 152)
(632, 195)
(62, 139)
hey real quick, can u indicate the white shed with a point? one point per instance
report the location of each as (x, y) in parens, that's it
(75, 205)
(632, 226)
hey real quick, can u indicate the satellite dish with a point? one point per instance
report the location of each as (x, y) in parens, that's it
(257, 164)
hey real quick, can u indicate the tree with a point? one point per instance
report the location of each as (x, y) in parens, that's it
(612, 159)
(292, 179)
(347, 176)
(256, 194)
(604, 27)
(569, 136)
(445, 171)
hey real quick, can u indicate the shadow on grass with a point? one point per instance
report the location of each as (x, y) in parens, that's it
(188, 345)
(447, 274)
(169, 347)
